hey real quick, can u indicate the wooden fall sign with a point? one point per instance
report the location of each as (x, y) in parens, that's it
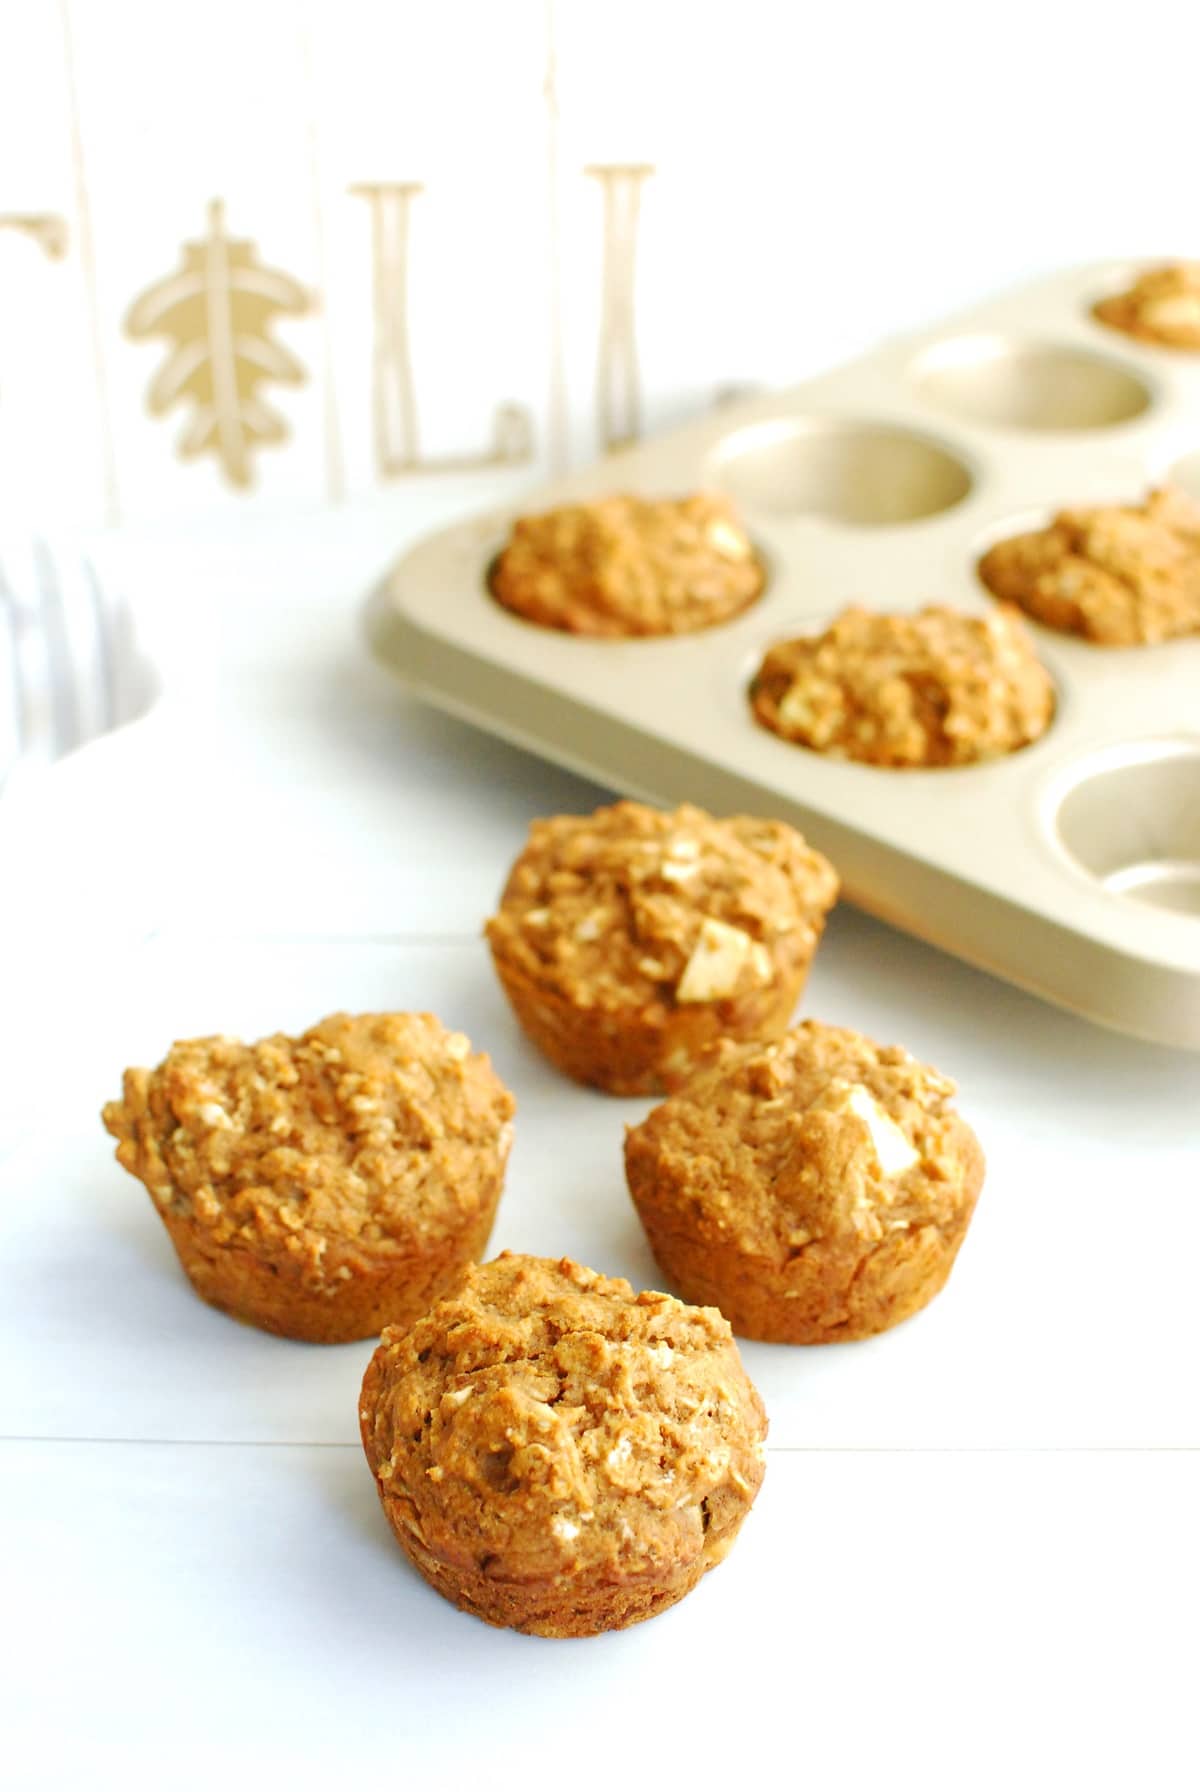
(216, 312)
(618, 379)
(397, 447)
(216, 315)
(46, 229)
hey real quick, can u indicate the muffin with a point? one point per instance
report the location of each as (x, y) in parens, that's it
(632, 942)
(324, 1186)
(1162, 306)
(1120, 575)
(558, 1454)
(935, 687)
(815, 1190)
(629, 566)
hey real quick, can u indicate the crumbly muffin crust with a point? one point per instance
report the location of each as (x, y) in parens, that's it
(629, 566)
(934, 688)
(1121, 574)
(558, 1454)
(323, 1185)
(1162, 306)
(815, 1190)
(631, 941)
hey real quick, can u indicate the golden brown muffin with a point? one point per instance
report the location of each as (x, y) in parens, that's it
(1119, 575)
(815, 1190)
(324, 1186)
(632, 942)
(558, 1454)
(629, 566)
(932, 688)
(1162, 306)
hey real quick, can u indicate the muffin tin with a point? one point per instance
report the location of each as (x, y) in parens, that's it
(1071, 868)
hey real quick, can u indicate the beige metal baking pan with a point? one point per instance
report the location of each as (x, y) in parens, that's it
(1071, 868)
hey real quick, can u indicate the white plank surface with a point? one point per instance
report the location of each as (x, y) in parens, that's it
(243, 1616)
(944, 1580)
(1066, 1322)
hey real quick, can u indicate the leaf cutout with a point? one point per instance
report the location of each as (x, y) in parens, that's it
(47, 230)
(201, 433)
(275, 361)
(267, 426)
(172, 377)
(216, 311)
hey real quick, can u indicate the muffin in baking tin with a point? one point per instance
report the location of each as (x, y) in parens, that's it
(910, 690)
(1162, 306)
(629, 566)
(1121, 575)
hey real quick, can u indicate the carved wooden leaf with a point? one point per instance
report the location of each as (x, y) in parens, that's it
(47, 230)
(216, 311)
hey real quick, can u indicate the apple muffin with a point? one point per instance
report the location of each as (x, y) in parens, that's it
(935, 687)
(326, 1186)
(1121, 575)
(557, 1454)
(631, 942)
(816, 1189)
(629, 566)
(1162, 306)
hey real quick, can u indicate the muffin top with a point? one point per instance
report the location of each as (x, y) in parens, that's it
(1162, 306)
(378, 1131)
(544, 1417)
(1119, 574)
(932, 688)
(629, 566)
(822, 1138)
(636, 907)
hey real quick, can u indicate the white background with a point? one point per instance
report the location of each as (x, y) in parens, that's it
(974, 1562)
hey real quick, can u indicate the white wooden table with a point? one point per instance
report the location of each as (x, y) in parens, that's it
(974, 1561)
